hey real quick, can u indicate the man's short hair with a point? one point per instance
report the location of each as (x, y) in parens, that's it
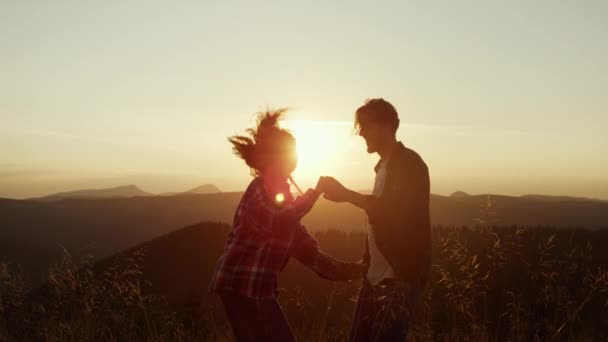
(378, 111)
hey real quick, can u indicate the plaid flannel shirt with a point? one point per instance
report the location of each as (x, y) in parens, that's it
(266, 232)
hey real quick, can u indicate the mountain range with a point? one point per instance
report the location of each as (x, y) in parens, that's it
(103, 226)
(122, 191)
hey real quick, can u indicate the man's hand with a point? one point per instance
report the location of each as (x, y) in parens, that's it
(334, 190)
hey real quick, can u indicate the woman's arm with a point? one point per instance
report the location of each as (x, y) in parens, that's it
(263, 212)
(306, 250)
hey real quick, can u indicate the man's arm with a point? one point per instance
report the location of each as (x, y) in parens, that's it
(362, 201)
(402, 201)
(336, 192)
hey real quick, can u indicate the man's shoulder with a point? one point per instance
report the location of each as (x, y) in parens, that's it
(408, 158)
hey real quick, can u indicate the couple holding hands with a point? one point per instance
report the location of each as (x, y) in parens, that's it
(267, 232)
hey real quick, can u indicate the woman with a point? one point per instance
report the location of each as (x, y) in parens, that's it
(266, 233)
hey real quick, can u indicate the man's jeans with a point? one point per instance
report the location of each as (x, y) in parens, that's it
(383, 311)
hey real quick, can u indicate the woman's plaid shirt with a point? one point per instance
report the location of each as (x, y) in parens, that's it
(266, 232)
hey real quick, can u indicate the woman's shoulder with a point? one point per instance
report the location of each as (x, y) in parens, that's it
(260, 189)
(256, 186)
(256, 182)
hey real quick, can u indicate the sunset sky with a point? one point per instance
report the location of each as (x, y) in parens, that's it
(506, 97)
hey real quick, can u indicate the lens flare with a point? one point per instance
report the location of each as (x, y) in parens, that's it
(279, 198)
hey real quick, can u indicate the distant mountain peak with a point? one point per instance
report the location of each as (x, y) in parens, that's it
(558, 198)
(129, 190)
(127, 187)
(204, 189)
(459, 194)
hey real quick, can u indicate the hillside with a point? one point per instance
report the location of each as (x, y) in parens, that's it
(474, 274)
(179, 264)
(101, 227)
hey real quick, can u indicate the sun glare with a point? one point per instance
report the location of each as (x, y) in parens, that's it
(318, 145)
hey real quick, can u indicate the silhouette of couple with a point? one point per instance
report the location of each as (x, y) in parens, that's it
(267, 232)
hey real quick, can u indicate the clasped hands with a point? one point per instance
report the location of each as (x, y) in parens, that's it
(332, 189)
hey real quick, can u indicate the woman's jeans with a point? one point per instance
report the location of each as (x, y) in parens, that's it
(256, 319)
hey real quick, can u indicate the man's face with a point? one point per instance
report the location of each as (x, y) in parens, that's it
(372, 133)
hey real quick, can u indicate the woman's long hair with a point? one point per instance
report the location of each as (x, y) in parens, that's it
(264, 143)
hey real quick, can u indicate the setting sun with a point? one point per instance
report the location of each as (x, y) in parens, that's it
(314, 145)
(319, 144)
(218, 170)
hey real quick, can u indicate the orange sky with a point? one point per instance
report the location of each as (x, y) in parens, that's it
(497, 99)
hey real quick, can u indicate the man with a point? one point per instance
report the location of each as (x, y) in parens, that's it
(397, 253)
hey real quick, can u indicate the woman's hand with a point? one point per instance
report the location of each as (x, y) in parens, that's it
(335, 191)
(321, 185)
(350, 271)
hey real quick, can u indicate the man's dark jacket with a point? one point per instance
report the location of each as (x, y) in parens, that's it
(400, 217)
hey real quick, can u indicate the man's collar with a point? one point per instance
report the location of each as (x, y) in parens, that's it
(398, 146)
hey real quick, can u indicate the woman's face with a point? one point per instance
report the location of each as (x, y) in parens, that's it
(286, 162)
(290, 160)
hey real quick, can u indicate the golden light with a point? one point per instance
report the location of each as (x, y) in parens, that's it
(279, 198)
(317, 143)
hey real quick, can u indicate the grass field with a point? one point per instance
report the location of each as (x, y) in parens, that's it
(487, 284)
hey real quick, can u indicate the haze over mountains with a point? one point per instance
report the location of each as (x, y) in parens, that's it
(105, 221)
(132, 190)
(203, 189)
(123, 191)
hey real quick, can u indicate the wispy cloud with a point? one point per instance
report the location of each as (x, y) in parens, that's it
(458, 130)
(13, 173)
(67, 136)
(325, 123)
(408, 127)
(158, 147)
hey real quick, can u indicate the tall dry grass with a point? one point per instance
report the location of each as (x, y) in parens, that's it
(78, 305)
(487, 284)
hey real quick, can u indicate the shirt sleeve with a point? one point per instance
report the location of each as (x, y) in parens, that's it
(263, 213)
